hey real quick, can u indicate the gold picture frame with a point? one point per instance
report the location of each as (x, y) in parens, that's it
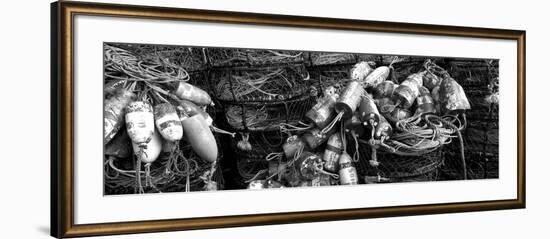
(62, 123)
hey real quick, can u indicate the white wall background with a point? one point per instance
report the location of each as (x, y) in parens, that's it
(24, 96)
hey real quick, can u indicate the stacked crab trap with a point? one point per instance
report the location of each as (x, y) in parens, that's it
(158, 129)
(292, 119)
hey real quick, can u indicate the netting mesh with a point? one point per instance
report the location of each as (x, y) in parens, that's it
(397, 166)
(333, 75)
(329, 58)
(268, 83)
(479, 79)
(267, 116)
(232, 57)
(120, 174)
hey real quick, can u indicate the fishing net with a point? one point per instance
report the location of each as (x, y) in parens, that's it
(233, 57)
(255, 116)
(267, 83)
(167, 174)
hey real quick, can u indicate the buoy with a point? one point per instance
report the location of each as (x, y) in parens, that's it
(368, 112)
(200, 137)
(349, 100)
(307, 164)
(384, 90)
(452, 96)
(360, 71)
(314, 137)
(399, 114)
(140, 122)
(408, 90)
(149, 152)
(332, 152)
(292, 145)
(168, 122)
(425, 103)
(186, 91)
(322, 113)
(347, 172)
(377, 76)
(191, 109)
(384, 129)
(257, 184)
(430, 80)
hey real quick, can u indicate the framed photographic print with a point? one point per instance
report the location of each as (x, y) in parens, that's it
(172, 119)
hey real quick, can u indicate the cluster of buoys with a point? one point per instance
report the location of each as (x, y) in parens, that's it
(370, 108)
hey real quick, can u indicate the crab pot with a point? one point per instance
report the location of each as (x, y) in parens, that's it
(307, 165)
(329, 58)
(260, 84)
(323, 112)
(191, 57)
(332, 152)
(349, 99)
(168, 122)
(384, 90)
(266, 116)
(140, 122)
(236, 57)
(368, 112)
(398, 167)
(336, 76)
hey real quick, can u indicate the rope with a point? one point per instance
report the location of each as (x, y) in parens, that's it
(334, 121)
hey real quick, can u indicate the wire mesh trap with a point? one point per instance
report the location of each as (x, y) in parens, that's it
(255, 116)
(192, 58)
(336, 76)
(267, 83)
(329, 58)
(234, 57)
(187, 172)
(398, 167)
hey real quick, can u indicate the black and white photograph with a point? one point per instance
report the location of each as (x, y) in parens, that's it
(192, 118)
